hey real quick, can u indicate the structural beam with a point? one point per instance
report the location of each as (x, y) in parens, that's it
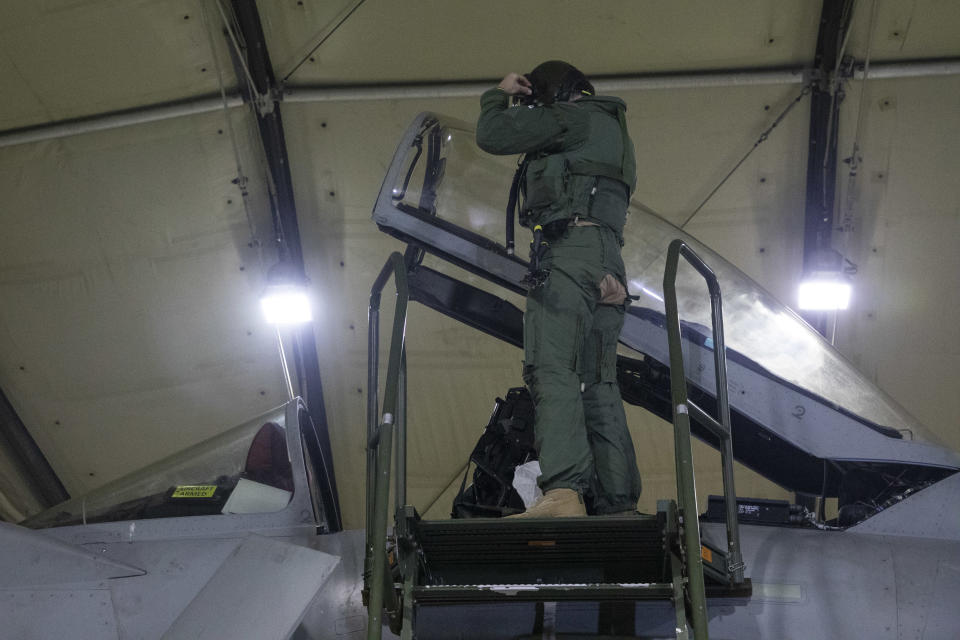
(270, 124)
(825, 99)
(352, 93)
(33, 465)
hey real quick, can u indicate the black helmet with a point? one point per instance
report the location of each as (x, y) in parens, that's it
(557, 81)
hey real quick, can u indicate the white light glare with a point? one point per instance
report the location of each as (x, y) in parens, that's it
(636, 284)
(286, 304)
(651, 294)
(823, 294)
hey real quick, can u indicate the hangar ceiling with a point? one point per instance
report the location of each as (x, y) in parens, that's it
(130, 267)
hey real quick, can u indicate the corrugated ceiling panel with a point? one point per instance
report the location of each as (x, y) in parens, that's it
(386, 42)
(905, 30)
(906, 221)
(130, 326)
(72, 58)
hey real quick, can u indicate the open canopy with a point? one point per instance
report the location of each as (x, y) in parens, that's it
(445, 194)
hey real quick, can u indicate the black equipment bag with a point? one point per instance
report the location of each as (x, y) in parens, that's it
(506, 443)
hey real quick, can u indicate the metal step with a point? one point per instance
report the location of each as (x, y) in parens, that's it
(480, 593)
(535, 551)
(477, 593)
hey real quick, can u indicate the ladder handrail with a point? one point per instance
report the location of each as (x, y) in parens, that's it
(682, 409)
(380, 433)
(380, 437)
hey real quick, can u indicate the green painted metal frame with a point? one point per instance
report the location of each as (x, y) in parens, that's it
(683, 408)
(380, 433)
(669, 510)
(381, 427)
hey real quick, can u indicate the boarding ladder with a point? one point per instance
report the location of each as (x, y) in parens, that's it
(483, 560)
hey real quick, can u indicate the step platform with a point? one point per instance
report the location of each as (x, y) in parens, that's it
(552, 559)
(551, 550)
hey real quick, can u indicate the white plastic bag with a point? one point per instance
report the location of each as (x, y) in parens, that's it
(525, 482)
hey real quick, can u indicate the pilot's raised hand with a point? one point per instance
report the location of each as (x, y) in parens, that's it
(514, 84)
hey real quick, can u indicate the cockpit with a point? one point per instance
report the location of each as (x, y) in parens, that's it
(262, 467)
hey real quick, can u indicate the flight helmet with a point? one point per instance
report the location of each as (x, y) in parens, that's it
(557, 81)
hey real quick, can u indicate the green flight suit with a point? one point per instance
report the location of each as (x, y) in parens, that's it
(580, 166)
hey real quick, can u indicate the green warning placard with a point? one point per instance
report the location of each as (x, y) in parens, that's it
(194, 491)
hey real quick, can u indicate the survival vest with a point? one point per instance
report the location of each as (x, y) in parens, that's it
(592, 180)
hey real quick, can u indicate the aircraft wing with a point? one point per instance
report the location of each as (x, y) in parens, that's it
(252, 587)
(262, 590)
(216, 541)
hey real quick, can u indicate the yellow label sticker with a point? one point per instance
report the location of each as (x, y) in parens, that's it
(194, 491)
(706, 554)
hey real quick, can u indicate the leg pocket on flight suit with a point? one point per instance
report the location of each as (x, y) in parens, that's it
(607, 365)
(578, 343)
(532, 330)
(608, 323)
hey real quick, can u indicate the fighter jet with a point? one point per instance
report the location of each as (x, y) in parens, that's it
(230, 539)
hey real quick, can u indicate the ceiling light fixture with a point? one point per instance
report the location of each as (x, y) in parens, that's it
(824, 291)
(286, 301)
(825, 287)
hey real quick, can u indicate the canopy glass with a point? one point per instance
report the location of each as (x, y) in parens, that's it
(445, 174)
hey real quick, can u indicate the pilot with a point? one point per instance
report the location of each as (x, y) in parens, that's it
(576, 179)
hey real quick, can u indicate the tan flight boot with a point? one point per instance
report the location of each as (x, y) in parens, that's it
(556, 503)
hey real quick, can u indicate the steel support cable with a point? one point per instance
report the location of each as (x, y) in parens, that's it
(254, 94)
(255, 106)
(274, 201)
(763, 137)
(835, 88)
(344, 16)
(241, 181)
(847, 215)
